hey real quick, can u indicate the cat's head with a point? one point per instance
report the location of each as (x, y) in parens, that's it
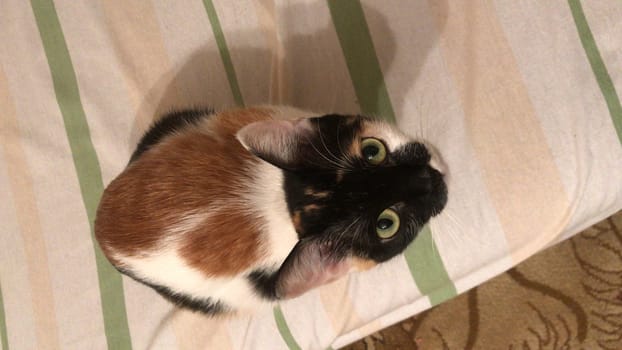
(357, 189)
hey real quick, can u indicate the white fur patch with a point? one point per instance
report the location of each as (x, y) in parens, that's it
(186, 223)
(169, 269)
(392, 137)
(268, 197)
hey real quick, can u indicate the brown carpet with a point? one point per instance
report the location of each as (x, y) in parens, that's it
(566, 297)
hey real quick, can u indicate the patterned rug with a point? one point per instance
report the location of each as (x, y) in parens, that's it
(566, 297)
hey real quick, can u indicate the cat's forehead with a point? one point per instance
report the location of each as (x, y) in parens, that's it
(395, 140)
(392, 137)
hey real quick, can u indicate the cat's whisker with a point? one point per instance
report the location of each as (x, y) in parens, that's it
(434, 243)
(330, 161)
(343, 154)
(437, 241)
(454, 231)
(456, 240)
(450, 230)
(347, 158)
(418, 128)
(422, 116)
(345, 161)
(329, 152)
(343, 233)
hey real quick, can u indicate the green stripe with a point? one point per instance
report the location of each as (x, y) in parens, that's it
(598, 66)
(281, 323)
(427, 268)
(86, 165)
(224, 51)
(4, 338)
(286, 334)
(422, 256)
(358, 50)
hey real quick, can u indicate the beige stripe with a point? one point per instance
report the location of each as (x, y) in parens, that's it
(339, 306)
(516, 163)
(136, 38)
(267, 17)
(16, 291)
(20, 179)
(566, 96)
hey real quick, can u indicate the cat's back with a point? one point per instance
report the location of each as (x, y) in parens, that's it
(194, 211)
(195, 170)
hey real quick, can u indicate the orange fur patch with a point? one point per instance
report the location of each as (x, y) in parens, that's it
(296, 219)
(191, 171)
(362, 264)
(319, 194)
(354, 150)
(311, 207)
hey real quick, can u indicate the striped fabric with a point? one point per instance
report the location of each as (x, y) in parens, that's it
(521, 98)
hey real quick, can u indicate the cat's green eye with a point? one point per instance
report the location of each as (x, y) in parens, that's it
(373, 150)
(387, 224)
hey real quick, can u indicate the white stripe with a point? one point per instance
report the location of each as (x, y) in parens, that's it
(189, 40)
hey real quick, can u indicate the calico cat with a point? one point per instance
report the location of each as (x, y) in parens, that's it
(220, 212)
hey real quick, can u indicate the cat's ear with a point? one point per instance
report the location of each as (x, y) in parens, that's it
(277, 141)
(309, 265)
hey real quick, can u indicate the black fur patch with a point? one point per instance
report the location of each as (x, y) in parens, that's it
(264, 283)
(359, 191)
(205, 305)
(167, 125)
